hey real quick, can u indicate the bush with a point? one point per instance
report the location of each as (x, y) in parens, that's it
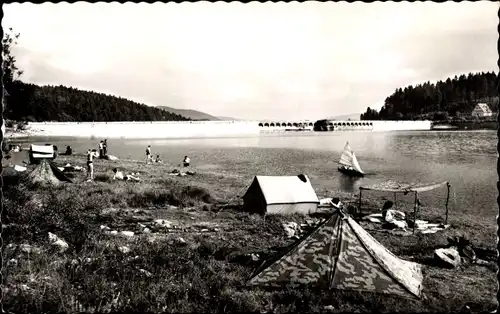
(176, 196)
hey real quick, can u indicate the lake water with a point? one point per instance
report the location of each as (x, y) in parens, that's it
(467, 159)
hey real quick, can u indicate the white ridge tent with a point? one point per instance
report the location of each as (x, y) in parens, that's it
(281, 195)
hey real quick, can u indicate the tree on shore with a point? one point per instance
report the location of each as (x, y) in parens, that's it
(450, 98)
(11, 72)
(31, 102)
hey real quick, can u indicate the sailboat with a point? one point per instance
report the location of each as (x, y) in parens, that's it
(348, 164)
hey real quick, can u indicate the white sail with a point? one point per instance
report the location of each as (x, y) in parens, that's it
(349, 159)
(355, 164)
(346, 157)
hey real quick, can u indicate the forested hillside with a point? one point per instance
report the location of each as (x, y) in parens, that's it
(29, 102)
(455, 97)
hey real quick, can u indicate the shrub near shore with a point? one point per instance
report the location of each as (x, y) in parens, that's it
(200, 263)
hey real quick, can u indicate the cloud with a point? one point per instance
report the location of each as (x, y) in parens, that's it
(254, 61)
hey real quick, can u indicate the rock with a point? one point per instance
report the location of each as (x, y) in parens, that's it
(400, 224)
(88, 260)
(56, 241)
(26, 248)
(141, 225)
(449, 257)
(328, 308)
(145, 272)
(74, 262)
(146, 230)
(204, 230)
(192, 218)
(255, 257)
(127, 233)
(105, 227)
(180, 240)
(481, 262)
(124, 249)
(114, 232)
(216, 229)
(24, 287)
(163, 223)
(12, 261)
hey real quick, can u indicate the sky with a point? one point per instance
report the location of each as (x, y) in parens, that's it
(253, 61)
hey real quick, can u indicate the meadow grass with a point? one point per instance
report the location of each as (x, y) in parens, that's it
(206, 271)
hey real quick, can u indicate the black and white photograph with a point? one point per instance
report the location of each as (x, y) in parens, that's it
(259, 157)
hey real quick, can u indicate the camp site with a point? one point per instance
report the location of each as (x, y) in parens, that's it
(214, 242)
(271, 158)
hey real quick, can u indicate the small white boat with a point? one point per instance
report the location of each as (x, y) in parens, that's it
(348, 163)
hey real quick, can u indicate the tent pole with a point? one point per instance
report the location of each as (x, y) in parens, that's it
(415, 211)
(447, 199)
(395, 201)
(359, 207)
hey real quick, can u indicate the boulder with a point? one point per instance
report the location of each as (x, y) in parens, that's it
(59, 243)
(449, 257)
(127, 233)
(124, 249)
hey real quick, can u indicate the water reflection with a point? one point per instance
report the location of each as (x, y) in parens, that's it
(349, 184)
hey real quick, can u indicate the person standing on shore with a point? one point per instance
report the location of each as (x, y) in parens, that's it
(149, 157)
(105, 147)
(101, 150)
(90, 165)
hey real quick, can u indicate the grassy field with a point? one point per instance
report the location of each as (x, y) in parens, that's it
(202, 260)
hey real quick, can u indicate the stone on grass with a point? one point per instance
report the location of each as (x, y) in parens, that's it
(56, 241)
(127, 233)
(145, 272)
(163, 223)
(180, 240)
(124, 249)
(449, 257)
(27, 248)
(328, 307)
(12, 261)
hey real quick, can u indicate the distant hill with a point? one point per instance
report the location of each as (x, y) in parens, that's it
(352, 116)
(191, 114)
(30, 102)
(227, 118)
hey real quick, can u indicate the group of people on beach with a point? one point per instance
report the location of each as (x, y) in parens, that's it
(149, 158)
(118, 175)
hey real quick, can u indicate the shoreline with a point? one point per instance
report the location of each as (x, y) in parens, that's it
(177, 235)
(29, 133)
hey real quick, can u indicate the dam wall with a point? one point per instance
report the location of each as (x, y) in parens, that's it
(153, 129)
(371, 125)
(402, 125)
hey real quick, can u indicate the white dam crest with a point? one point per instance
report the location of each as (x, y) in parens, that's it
(190, 129)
